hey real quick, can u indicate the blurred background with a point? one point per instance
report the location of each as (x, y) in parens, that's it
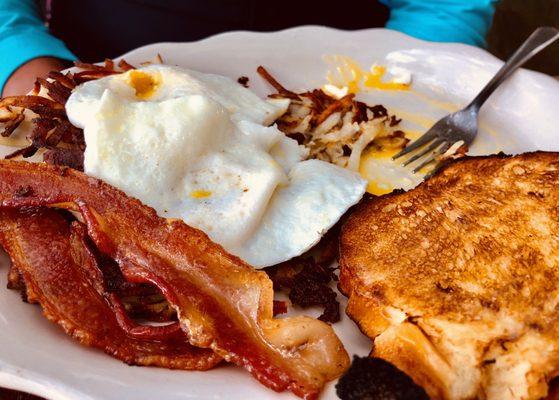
(514, 20)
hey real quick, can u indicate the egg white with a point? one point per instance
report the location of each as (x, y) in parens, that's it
(200, 148)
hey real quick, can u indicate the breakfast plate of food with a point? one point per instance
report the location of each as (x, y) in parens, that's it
(183, 208)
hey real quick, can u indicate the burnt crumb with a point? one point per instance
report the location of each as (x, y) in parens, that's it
(23, 191)
(487, 362)
(379, 111)
(299, 137)
(307, 283)
(243, 80)
(375, 379)
(393, 121)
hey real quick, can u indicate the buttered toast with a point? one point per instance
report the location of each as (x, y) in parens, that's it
(457, 280)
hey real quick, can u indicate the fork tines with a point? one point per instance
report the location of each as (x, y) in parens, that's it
(428, 144)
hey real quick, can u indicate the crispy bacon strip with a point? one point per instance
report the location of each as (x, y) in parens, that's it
(222, 303)
(56, 270)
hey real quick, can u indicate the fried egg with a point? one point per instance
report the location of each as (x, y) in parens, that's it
(200, 147)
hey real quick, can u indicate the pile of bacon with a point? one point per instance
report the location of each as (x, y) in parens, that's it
(336, 130)
(101, 264)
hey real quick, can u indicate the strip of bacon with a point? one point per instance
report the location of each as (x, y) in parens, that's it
(56, 270)
(221, 302)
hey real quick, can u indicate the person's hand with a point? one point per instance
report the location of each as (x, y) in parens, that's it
(22, 80)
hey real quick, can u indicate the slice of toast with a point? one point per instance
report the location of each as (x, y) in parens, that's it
(457, 281)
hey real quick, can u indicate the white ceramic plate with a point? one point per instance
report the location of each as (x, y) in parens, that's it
(36, 356)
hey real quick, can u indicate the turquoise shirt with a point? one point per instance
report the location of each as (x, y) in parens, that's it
(462, 21)
(24, 36)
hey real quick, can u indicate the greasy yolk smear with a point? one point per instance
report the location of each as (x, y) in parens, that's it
(145, 84)
(347, 72)
(376, 186)
(384, 174)
(200, 194)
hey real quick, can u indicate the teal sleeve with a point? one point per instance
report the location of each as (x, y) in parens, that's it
(24, 36)
(464, 21)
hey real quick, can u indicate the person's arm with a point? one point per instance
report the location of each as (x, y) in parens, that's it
(463, 21)
(27, 50)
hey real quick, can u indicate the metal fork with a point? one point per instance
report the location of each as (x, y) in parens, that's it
(462, 125)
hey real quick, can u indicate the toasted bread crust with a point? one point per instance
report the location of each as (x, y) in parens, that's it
(471, 258)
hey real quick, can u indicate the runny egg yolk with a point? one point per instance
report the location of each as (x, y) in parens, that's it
(200, 194)
(350, 74)
(145, 84)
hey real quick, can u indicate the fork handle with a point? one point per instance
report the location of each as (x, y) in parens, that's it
(538, 40)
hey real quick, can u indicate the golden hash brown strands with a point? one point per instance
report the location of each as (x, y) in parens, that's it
(223, 304)
(335, 130)
(337, 105)
(123, 65)
(11, 125)
(279, 88)
(30, 102)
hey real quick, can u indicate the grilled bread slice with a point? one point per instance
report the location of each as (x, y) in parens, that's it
(457, 281)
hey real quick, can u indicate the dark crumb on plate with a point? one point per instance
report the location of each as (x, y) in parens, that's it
(375, 379)
(243, 80)
(307, 282)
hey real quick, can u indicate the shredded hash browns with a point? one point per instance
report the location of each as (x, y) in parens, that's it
(336, 130)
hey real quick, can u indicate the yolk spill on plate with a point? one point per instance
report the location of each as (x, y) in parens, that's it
(200, 194)
(145, 84)
(347, 72)
(376, 186)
